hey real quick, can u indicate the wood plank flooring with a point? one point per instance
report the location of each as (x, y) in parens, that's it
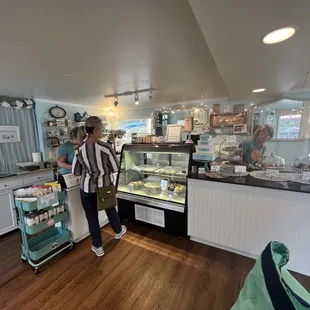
(148, 269)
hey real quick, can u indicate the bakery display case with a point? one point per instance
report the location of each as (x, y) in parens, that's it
(152, 184)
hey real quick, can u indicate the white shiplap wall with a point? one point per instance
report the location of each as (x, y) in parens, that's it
(245, 219)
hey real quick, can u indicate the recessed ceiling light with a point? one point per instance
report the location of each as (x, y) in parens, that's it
(258, 90)
(280, 35)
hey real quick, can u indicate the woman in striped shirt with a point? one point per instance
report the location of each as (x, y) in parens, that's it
(101, 162)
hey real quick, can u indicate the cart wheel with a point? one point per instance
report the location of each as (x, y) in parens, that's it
(36, 270)
(24, 260)
(71, 247)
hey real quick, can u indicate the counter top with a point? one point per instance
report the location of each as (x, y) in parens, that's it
(250, 181)
(21, 174)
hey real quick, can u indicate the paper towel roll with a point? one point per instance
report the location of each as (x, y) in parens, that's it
(36, 157)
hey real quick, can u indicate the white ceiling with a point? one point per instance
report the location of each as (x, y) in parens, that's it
(234, 29)
(110, 46)
(123, 45)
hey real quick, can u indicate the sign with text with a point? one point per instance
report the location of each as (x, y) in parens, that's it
(240, 169)
(9, 134)
(231, 139)
(306, 175)
(215, 168)
(173, 133)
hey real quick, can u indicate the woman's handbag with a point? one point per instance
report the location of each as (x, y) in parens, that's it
(106, 196)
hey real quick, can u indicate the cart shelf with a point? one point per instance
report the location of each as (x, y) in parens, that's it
(58, 198)
(31, 230)
(46, 242)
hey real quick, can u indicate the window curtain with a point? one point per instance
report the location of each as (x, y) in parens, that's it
(16, 152)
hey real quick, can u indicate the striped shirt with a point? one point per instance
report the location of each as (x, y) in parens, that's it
(101, 162)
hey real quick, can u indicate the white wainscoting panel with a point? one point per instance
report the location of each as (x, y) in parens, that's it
(245, 219)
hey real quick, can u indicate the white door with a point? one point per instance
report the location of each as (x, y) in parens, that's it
(8, 220)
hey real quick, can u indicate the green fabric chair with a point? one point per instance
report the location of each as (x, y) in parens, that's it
(269, 285)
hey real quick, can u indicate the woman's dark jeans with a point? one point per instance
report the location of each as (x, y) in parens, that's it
(89, 202)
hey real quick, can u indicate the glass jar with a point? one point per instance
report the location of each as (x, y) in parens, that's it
(302, 163)
(271, 161)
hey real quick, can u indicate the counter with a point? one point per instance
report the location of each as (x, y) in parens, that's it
(77, 223)
(250, 181)
(243, 219)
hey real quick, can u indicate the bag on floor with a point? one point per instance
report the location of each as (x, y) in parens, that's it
(269, 285)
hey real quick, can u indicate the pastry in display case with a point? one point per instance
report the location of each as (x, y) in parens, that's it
(153, 178)
(231, 149)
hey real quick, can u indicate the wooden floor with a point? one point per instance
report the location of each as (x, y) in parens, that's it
(147, 269)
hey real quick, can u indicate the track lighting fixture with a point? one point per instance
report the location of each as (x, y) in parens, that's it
(151, 96)
(136, 98)
(135, 93)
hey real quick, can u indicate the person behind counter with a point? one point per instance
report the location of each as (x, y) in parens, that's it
(66, 151)
(99, 160)
(253, 149)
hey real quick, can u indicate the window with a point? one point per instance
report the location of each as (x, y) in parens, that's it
(289, 126)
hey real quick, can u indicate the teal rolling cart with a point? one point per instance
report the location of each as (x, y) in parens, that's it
(44, 241)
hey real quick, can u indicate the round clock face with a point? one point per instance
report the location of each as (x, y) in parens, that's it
(58, 112)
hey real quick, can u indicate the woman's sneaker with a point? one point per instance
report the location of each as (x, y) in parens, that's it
(119, 235)
(99, 251)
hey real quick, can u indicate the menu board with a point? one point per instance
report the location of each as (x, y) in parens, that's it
(173, 134)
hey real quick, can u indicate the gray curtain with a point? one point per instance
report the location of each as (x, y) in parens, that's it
(11, 153)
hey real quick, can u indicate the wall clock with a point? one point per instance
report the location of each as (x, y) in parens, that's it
(57, 112)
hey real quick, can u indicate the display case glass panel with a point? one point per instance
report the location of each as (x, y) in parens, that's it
(155, 171)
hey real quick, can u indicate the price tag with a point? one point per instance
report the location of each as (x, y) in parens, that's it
(201, 170)
(163, 184)
(306, 175)
(131, 187)
(231, 139)
(215, 168)
(47, 197)
(240, 169)
(272, 173)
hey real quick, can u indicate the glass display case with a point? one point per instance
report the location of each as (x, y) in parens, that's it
(152, 184)
(155, 171)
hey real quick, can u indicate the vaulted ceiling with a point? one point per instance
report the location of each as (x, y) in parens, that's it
(191, 49)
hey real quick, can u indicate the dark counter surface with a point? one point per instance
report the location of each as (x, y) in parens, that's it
(250, 181)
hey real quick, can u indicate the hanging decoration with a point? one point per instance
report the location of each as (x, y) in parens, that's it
(7, 102)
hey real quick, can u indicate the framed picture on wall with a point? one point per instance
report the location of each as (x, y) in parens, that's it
(216, 108)
(238, 108)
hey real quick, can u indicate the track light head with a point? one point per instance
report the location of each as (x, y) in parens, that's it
(151, 96)
(116, 102)
(136, 98)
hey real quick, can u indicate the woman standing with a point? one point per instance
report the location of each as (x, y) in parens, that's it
(95, 162)
(254, 148)
(65, 153)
